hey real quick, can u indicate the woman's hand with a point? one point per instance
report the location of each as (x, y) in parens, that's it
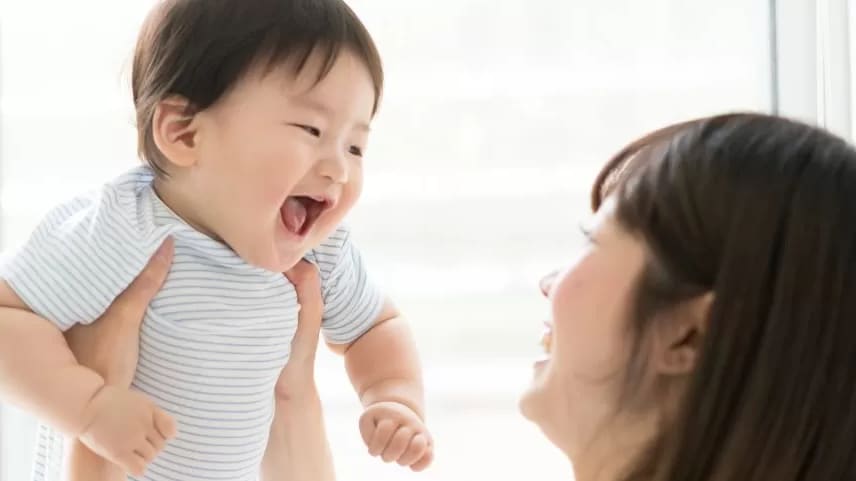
(299, 374)
(297, 448)
(110, 346)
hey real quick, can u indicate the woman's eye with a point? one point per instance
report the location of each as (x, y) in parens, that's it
(354, 150)
(311, 130)
(587, 234)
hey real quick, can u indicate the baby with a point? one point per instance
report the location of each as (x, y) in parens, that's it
(253, 119)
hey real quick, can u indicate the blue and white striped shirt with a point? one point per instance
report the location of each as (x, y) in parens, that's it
(213, 340)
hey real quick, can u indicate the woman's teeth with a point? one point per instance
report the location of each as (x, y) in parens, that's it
(547, 338)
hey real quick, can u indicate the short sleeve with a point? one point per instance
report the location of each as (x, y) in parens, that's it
(352, 301)
(81, 256)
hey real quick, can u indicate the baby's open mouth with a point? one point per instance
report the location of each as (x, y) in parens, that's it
(300, 212)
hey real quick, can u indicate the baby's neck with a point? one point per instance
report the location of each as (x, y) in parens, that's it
(182, 204)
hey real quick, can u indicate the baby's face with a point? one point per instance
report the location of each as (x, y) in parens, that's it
(280, 159)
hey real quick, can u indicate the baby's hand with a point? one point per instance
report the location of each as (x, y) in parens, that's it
(127, 428)
(396, 433)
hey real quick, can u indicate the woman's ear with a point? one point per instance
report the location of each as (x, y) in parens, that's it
(679, 336)
(175, 131)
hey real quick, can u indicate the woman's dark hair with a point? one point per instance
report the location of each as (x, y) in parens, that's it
(760, 211)
(199, 49)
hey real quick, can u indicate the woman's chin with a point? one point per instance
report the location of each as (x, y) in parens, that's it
(526, 404)
(534, 395)
(537, 393)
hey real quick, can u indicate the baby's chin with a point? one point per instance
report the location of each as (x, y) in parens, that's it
(273, 258)
(280, 253)
(283, 262)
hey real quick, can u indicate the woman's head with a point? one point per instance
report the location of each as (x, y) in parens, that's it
(256, 115)
(711, 322)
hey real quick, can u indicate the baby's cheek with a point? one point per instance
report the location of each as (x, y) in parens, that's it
(332, 221)
(350, 196)
(270, 187)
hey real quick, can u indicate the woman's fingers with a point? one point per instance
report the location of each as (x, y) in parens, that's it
(305, 278)
(131, 304)
(110, 344)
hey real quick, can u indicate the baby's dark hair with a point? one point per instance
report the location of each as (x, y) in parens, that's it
(199, 49)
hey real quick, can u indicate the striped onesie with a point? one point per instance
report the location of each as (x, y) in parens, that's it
(213, 340)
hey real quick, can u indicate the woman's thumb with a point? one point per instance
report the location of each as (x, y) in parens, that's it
(132, 303)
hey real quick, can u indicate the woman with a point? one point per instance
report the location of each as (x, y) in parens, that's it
(708, 330)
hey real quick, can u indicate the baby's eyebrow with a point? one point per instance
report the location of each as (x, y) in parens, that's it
(325, 110)
(313, 104)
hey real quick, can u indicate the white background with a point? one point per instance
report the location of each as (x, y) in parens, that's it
(497, 115)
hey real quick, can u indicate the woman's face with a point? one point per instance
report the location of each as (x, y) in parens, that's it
(575, 388)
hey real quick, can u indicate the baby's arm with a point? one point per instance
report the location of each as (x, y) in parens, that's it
(38, 372)
(71, 269)
(109, 346)
(384, 368)
(380, 356)
(383, 363)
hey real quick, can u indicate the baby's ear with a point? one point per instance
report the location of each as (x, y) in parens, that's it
(175, 131)
(679, 336)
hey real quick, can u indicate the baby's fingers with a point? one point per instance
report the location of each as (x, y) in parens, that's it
(398, 445)
(133, 464)
(156, 440)
(426, 460)
(415, 450)
(382, 434)
(147, 451)
(165, 424)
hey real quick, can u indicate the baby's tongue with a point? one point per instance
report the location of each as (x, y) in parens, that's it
(293, 214)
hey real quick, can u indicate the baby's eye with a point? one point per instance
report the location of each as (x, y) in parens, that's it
(310, 130)
(354, 150)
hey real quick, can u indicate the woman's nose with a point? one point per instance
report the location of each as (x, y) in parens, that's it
(546, 283)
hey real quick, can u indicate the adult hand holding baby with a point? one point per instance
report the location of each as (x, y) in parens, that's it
(298, 449)
(123, 425)
(110, 346)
